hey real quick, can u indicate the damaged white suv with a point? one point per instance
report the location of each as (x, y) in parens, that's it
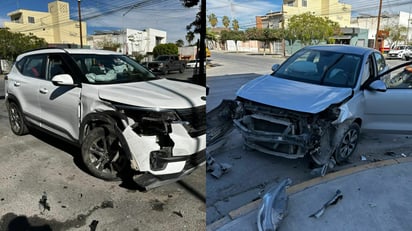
(120, 113)
(319, 99)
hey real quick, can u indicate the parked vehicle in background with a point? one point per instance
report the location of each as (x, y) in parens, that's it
(195, 63)
(316, 103)
(5, 66)
(119, 113)
(408, 54)
(166, 63)
(399, 52)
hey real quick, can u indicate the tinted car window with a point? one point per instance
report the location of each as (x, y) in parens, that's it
(32, 66)
(322, 67)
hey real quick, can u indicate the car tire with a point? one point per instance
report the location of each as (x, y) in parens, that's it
(182, 69)
(17, 123)
(102, 154)
(346, 141)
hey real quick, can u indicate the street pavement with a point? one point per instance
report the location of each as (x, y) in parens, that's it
(376, 197)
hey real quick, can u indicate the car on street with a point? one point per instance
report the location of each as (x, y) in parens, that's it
(121, 115)
(317, 102)
(399, 52)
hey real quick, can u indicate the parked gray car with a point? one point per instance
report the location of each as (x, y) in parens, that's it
(317, 102)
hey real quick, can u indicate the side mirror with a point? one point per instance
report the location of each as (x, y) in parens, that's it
(275, 67)
(377, 85)
(63, 80)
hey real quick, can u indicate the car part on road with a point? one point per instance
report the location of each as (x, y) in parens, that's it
(214, 168)
(43, 204)
(274, 207)
(335, 199)
(93, 225)
(220, 121)
(321, 171)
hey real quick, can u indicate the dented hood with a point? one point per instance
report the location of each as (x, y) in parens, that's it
(292, 95)
(161, 93)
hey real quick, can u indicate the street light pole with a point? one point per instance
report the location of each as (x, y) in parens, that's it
(80, 24)
(377, 29)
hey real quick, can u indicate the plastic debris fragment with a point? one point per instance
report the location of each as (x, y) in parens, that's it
(338, 196)
(274, 207)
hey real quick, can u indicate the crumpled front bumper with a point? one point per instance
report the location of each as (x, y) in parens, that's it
(273, 136)
(187, 153)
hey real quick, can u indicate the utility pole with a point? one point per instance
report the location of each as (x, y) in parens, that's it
(80, 24)
(202, 46)
(283, 31)
(377, 29)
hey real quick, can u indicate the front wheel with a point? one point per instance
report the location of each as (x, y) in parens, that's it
(16, 119)
(103, 155)
(347, 142)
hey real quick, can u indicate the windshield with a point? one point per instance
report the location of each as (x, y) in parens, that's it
(321, 67)
(162, 58)
(101, 69)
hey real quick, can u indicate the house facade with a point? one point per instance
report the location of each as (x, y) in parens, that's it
(55, 26)
(129, 41)
(331, 9)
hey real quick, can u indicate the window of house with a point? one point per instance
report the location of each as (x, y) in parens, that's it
(304, 3)
(291, 2)
(31, 19)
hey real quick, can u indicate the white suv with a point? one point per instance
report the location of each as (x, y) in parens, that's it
(117, 111)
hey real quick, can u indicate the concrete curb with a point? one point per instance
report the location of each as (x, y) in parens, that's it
(246, 209)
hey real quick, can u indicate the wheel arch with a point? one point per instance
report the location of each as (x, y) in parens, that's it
(108, 120)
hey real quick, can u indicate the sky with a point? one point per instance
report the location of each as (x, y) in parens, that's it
(245, 10)
(172, 17)
(166, 15)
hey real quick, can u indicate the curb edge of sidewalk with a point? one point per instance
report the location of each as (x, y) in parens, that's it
(242, 211)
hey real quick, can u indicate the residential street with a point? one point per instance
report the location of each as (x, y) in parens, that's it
(253, 172)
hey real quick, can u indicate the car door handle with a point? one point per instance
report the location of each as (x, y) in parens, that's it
(43, 91)
(16, 84)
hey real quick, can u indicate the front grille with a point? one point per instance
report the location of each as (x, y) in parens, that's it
(196, 117)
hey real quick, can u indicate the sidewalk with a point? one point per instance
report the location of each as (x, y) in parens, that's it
(376, 196)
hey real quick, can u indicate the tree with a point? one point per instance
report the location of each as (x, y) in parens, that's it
(235, 25)
(165, 49)
(226, 21)
(190, 36)
(13, 44)
(211, 37)
(180, 43)
(212, 20)
(397, 33)
(265, 35)
(310, 29)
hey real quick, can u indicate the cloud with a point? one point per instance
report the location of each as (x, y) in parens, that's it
(2, 20)
(173, 21)
(241, 10)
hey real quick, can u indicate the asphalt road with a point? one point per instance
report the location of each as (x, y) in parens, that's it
(38, 165)
(253, 172)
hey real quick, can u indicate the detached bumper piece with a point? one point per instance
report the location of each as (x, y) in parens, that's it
(149, 181)
(274, 207)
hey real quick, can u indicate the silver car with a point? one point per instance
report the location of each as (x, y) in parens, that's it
(317, 102)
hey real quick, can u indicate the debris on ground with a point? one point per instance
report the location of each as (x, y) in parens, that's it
(363, 158)
(43, 204)
(321, 171)
(274, 206)
(216, 169)
(93, 225)
(179, 213)
(390, 153)
(337, 197)
(403, 155)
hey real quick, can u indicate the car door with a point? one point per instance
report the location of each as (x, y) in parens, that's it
(24, 85)
(60, 105)
(389, 111)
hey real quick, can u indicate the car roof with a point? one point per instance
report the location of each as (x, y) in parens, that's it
(346, 49)
(67, 50)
